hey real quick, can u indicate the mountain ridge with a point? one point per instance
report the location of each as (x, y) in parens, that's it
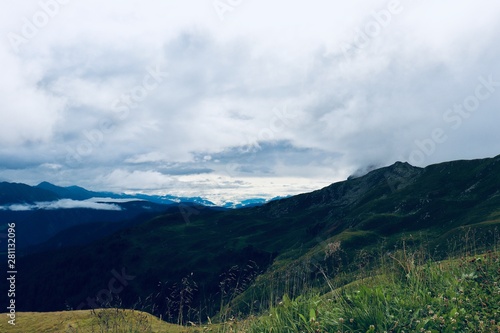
(46, 191)
(18, 193)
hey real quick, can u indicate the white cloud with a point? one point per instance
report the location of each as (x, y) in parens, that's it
(121, 179)
(147, 158)
(225, 81)
(17, 208)
(51, 166)
(111, 200)
(28, 113)
(62, 204)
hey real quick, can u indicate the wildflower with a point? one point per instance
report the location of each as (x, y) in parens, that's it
(331, 249)
(469, 276)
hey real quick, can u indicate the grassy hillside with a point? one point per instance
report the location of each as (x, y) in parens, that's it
(110, 320)
(404, 292)
(193, 263)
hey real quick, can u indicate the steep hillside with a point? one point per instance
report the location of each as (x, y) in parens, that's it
(201, 258)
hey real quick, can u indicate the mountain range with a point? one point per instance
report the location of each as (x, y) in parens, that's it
(45, 210)
(15, 193)
(229, 257)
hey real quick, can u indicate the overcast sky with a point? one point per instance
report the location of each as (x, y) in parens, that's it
(232, 99)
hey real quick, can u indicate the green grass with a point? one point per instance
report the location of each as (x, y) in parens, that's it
(451, 296)
(98, 321)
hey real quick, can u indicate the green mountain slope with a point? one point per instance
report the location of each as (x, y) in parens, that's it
(196, 259)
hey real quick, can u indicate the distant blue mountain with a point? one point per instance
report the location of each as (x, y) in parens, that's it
(14, 193)
(168, 199)
(79, 193)
(246, 203)
(251, 202)
(71, 192)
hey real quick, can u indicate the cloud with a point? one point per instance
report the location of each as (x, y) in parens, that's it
(29, 114)
(63, 204)
(136, 180)
(112, 200)
(161, 98)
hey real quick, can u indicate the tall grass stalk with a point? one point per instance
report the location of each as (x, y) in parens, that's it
(408, 293)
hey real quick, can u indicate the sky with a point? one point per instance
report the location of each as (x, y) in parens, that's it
(234, 99)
